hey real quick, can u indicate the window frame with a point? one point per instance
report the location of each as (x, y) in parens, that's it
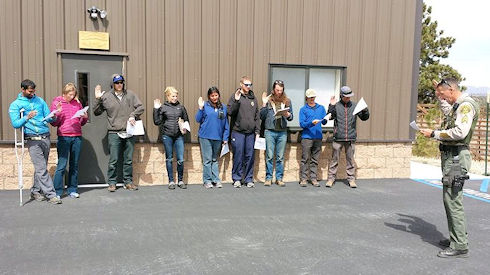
(343, 78)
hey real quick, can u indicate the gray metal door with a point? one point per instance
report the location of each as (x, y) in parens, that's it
(86, 71)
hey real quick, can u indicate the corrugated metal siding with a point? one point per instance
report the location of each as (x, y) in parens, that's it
(196, 44)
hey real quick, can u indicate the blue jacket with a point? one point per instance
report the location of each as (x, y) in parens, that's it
(35, 125)
(267, 115)
(212, 126)
(306, 116)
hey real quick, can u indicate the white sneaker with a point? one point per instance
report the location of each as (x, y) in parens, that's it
(74, 195)
(250, 185)
(208, 185)
(237, 184)
(219, 185)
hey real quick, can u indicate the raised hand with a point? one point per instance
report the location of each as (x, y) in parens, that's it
(98, 91)
(157, 103)
(333, 100)
(265, 98)
(200, 102)
(238, 93)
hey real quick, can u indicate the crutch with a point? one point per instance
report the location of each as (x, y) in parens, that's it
(19, 145)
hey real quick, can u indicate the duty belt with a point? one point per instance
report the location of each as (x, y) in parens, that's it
(454, 149)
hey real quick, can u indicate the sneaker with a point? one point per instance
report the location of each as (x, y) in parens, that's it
(171, 185)
(453, 253)
(280, 183)
(315, 183)
(329, 183)
(37, 197)
(111, 188)
(208, 185)
(74, 195)
(268, 183)
(55, 200)
(352, 184)
(182, 185)
(303, 183)
(237, 184)
(445, 242)
(250, 185)
(130, 187)
(219, 185)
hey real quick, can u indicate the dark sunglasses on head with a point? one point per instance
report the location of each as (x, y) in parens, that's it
(248, 84)
(444, 82)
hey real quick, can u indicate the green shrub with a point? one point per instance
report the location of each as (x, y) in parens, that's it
(427, 147)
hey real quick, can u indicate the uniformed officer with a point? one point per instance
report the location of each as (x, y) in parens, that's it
(455, 136)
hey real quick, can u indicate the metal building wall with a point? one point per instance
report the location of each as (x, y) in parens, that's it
(195, 44)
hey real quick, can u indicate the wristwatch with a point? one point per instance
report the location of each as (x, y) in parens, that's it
(433, 134)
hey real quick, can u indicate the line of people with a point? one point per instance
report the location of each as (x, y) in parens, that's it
(239, 123)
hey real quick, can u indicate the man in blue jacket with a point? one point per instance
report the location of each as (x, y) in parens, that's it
(344, 134)
(310, 117)
(31, 112)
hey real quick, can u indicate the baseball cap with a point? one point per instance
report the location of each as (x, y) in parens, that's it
(310, 93)
(346, 91)
(117, 78)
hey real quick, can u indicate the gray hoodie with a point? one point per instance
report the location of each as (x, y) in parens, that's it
(118, 111)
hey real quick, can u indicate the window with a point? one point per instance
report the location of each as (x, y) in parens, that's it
(298, 78)
(82, 85)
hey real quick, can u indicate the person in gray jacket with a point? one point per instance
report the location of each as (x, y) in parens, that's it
(344, 134)
(121, 106)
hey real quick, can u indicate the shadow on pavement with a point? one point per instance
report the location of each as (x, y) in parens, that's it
(415, 225)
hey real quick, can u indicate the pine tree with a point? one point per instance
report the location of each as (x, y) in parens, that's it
(434, 47)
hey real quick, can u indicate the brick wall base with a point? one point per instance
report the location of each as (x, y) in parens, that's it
(373, 160)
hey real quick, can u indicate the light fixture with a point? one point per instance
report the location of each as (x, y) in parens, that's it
(93, 11)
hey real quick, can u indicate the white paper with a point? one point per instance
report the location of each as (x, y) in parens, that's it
(50, 114)
(79, 113)
(328, 116)
(361, 105)
(224, 150)
(186, 126)
(136, 130)
(413, 124)
(281, 111)
(259, 143)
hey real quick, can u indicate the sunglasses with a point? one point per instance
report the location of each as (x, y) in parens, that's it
(444, 82)
(119, 82)
(248, 84)
(278, 82)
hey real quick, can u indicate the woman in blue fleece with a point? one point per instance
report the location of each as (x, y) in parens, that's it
(213, 131)
(310, 117)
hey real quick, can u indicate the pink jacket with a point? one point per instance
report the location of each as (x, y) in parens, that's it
(66, 125)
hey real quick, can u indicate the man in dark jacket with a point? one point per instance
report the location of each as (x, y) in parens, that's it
(245, 125)
(121, 106)
(344, 134)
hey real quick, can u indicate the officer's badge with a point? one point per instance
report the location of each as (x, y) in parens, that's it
(252, 103)
(465, 109)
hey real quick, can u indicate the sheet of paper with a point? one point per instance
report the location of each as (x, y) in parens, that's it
(186, 126)
(259, 144)
(224, 150)
(361, 105)
(328, 116)
(136, 130)
(281, 111)
(413, 124)
(51, 114)
(79, 113)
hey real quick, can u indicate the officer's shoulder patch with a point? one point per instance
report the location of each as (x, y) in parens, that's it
(464, 119)
(444, 135)
(465, 109)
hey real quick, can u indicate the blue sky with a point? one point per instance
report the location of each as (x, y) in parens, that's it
(469, 22)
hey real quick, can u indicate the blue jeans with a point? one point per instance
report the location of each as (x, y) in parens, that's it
(275, 140)
(67, 147)
(210, 150)
(168, 144)
(243, 156)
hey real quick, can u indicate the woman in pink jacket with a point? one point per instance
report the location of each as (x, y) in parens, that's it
(69, 139)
